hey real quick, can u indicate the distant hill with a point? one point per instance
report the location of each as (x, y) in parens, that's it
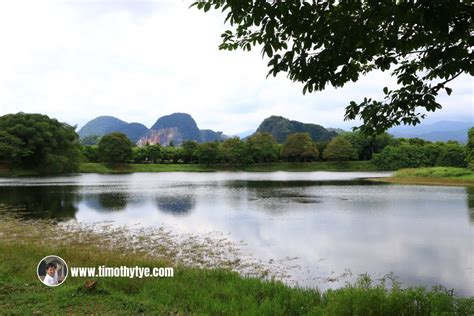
(184, 122)
(177, 128)
(337, 130)
(103, 125)
(174, 128)
(438, 131)
(281, 127)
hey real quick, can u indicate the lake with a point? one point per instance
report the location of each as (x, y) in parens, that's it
(323, 225)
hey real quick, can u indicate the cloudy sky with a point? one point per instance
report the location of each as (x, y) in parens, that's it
(139, 60)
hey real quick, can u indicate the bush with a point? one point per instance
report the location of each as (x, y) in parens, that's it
(398, 157)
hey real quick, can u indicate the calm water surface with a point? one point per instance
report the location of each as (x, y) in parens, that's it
(326, 222)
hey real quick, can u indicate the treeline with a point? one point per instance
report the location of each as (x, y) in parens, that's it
(37, 142)
(258, 148)
(414, 153)
(386, 152)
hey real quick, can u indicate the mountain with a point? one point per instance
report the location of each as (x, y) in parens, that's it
(337, 130)
(178, 128)
(281, 127)
(174, 128)
(184, 122)
(103, 125)
(438, 131)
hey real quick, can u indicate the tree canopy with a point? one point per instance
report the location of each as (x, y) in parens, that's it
(299, 147)
(38, 142)
(340, 149)
(425, 44)
(115, 148)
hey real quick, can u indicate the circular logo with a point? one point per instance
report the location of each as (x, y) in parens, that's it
(52, 270)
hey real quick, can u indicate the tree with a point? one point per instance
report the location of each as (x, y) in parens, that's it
(208, 153)
(189, 151)
(115, 148)
(452, 155)
(263, 147)
(339, 149)
(299, 147)
(147, 153)
(90, 140)
(470, 148)
(154, 152)
(234, 151)
(90, 153)
(366, 146)
(39, 142)
(425, 44)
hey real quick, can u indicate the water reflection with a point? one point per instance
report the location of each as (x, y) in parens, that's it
(58, 202)
(179, 204)
(329, 221)
(112, 201)
(470, 202)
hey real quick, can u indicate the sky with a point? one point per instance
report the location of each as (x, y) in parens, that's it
(139, 60)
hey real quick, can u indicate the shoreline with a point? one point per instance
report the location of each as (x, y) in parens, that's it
(102, 168)
(423, 181)
(192, 290)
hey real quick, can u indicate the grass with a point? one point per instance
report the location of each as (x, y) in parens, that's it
(433, 175)
(191, 291)
(284, 166)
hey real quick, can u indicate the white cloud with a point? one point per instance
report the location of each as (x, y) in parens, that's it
(139, 60)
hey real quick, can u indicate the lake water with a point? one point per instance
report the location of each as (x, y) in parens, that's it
(325, 223)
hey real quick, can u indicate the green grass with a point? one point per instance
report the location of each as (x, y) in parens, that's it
(437, 172)
(433, 175)
(312, 166)
(191, 291)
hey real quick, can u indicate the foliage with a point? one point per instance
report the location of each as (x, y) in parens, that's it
(398, 157)
(147, 153)
(425, 44)
(189, 151)
(90, 153)
(208, 153)
(90, 140)
(415, 153)
(452, 155)
(339, 149)
(39, 142)
(366, 146)
(280, 128)
(263, 147)
(115, 148)
(470, 148)
(299, 147)
(234, 151)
